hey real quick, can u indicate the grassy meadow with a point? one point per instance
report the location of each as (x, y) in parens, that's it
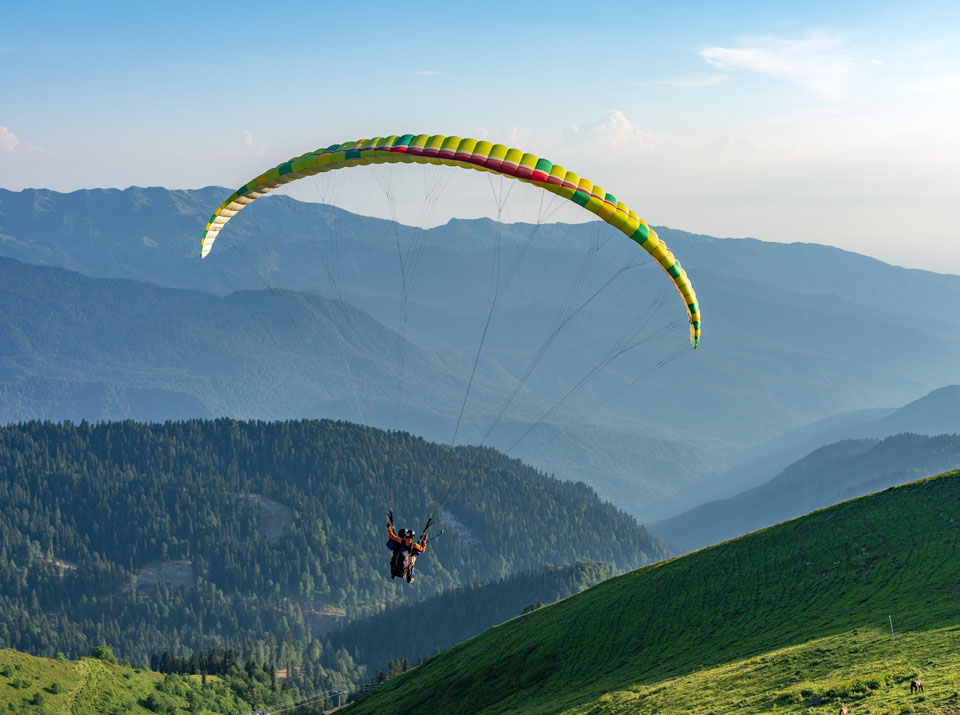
(90, 686)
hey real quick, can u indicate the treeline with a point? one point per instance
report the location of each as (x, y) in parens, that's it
(209, 662)
(84, 508)
(390, 642)
(413, 631)
(256, 683)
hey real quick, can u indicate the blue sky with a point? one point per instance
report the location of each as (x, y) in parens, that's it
(833, 122)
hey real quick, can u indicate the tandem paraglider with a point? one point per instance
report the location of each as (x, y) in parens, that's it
(406, 548)
(506, 163)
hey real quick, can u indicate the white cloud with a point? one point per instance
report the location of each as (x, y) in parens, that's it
(259, 148)
(429, 73)
(615, 131)
(822, 63)
(8, 140)
(517, 134)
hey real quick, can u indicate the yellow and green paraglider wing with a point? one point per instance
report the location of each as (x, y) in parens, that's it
(468, 154)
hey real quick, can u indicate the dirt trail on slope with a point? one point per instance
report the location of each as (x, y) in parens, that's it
(72, 695)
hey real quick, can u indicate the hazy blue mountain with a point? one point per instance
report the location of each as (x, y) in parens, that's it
(827, 476)
(934, 414)
(649, 474)
(792, 333)
(812, 268)
(153, 234)
(74, 347)
(755, 465)
(141, 233)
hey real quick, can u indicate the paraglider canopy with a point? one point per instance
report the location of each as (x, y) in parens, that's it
(470, 154)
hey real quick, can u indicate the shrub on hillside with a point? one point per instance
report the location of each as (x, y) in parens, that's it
(173, 684)
(157, 703)
(104, 653)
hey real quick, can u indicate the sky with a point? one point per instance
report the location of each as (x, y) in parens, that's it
(828, 122)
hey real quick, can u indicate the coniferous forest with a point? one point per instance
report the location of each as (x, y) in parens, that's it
(268, 540)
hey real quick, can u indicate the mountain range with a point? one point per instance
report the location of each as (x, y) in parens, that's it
(300, 312)
(828, 475)
(933, 414)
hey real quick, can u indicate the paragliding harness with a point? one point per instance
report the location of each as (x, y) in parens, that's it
(400, 564)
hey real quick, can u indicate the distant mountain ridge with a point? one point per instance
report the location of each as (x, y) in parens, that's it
(792, 333)
(74, 347)
(790, 266)
(852, 331)
(834, 473)
(152, 234)
(933, 414)
(936, 413)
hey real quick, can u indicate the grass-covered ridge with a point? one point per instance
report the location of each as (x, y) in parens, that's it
(790, 619)
(92, 686)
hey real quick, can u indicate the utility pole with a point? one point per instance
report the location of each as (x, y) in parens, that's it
(891, 628)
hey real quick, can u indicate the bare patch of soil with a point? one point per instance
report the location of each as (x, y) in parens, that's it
(178, 574)
(323, 619)
(273, 517)
(62, 563)
(451, 522)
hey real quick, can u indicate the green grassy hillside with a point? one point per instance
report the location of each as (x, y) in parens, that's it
(790, 619)
(90, 686)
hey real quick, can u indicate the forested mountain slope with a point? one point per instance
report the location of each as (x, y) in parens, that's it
(826, 476)
(791, 619)
(440, 621)
(178, 535)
